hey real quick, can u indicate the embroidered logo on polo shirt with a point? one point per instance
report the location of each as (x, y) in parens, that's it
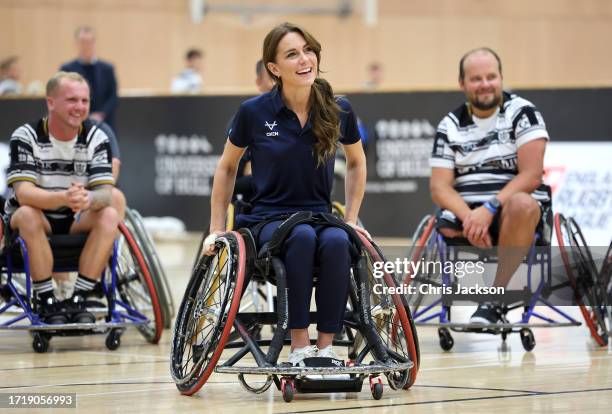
(271, 126)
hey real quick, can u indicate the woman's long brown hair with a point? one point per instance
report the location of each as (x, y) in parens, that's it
(325, 111)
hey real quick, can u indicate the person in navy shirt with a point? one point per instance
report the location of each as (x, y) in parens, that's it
(100, 76)
(292, 133)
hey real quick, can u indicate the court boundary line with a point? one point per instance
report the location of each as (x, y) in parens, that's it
(493, 397)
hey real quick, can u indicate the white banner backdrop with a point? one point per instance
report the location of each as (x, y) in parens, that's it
(580, 174)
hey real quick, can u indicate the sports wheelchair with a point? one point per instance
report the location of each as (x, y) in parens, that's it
(381, 337)
(125, 295)
(533, 298)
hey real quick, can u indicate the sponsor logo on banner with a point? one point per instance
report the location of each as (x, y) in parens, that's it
(184, 165)
(580, 175)
(403, 148)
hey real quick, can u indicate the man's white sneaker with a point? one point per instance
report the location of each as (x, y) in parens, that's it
(296, 357)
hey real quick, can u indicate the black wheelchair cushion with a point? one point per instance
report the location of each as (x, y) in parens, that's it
(66, 250)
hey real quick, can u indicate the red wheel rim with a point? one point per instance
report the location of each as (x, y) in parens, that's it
(586, 313)
(159, 322)
(401, 315)
(235, 303)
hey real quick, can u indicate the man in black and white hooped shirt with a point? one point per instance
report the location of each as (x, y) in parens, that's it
(487, 166)
(61, 177)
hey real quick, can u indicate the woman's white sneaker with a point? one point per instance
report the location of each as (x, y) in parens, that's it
(297, 356)
(327, 352)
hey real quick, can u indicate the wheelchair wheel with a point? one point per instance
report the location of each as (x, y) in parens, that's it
(582, 273)
(135, 224)
(207, 313)
(422, 250)
(135, 286)
(391, 314)
(605, 276)
(421, 236)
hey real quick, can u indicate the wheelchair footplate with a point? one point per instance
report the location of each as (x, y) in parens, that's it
(495, 328)
(70, 328)
(318, 375)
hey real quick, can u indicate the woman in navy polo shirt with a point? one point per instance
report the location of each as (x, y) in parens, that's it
(292, 133)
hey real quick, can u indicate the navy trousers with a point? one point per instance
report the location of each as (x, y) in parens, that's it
(305, 247)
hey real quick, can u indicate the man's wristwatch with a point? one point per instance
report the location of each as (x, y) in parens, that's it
(492, 205)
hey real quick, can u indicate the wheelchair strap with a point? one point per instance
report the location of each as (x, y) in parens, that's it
(274, 246)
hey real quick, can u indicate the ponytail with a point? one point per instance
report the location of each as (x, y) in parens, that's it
(325, 120)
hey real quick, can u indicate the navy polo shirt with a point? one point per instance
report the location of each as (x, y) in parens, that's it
(286, 177)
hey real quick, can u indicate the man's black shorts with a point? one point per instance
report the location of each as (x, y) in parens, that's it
(446, 219)
(60, 225)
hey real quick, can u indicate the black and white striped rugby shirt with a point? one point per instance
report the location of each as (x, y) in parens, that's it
(483, 152)
(52, 164)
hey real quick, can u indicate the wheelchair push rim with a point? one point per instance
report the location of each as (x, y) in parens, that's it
(145, 289)
(593, 313)
(219, 277)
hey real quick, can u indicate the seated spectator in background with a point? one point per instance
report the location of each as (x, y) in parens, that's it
(374, 76)
(189, 80)
(10, 73)
(100, 76)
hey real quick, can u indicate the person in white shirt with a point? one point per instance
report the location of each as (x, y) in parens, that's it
(189, 80)
(10, 73)
(487, 167)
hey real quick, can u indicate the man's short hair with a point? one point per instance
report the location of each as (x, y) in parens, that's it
(7, 63)
(83, 29)
(54, 83)
(471, 52)
(193, 53)
(374, 66)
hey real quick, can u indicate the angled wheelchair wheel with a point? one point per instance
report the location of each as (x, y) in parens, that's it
(206, 314)
(394, 324)
(133, 220)
(421, 236)
(135, 286)
(605, 276)
(589, 290)
(422, 251)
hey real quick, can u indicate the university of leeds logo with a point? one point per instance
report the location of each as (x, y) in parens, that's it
(271, 127)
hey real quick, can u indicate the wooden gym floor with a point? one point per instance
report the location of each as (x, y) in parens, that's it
(566, 372)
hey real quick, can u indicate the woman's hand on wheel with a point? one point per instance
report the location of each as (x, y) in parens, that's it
(208, 248)
(359, 229)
